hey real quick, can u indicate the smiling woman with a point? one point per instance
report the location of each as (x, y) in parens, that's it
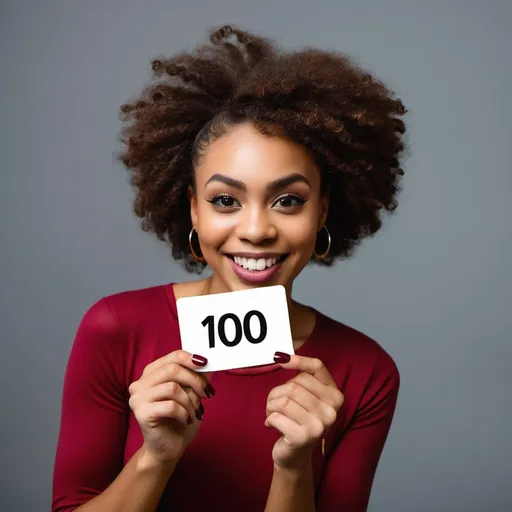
(265, 209)
(255, 163)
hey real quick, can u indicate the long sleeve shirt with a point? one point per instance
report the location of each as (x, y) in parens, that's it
(228, 466)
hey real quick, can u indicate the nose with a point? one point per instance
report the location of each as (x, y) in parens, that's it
(256, 226)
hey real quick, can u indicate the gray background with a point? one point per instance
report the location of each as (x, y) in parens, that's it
(432, 287)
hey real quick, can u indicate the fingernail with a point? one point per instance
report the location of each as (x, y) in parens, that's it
(200, 409)
(281, 357)
(209, 391)
(199, 360)
(199, 416)
(189, 420)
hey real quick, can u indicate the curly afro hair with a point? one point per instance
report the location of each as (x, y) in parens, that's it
(322, 100)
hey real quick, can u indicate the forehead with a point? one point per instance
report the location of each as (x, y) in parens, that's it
(250, 156)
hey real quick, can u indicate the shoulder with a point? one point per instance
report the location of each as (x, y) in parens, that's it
(363, 369)
(115, 327)
(134, 306)
(114, 317)
(356, 350)
(123, 309)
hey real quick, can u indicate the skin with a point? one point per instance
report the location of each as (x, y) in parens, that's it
(254, 216)
(258, 220)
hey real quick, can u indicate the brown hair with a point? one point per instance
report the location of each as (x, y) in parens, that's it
(321, 99)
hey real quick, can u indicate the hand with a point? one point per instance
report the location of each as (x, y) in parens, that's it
(166, 402)
(303, 410)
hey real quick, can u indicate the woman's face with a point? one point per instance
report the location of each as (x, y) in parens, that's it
(257, 209)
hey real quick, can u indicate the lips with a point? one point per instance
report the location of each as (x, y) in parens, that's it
(257, 264)
(255, 268)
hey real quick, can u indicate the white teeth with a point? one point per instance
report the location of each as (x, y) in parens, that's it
(261, 264)
(255, 264)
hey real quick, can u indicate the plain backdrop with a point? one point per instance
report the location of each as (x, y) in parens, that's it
(433, 287)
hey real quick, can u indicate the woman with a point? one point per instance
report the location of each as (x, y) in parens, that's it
(253, 162)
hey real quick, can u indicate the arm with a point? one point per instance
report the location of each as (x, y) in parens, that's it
(138, 488)
(348, 478)
(88, 467)
(302, 410)
(292, 491)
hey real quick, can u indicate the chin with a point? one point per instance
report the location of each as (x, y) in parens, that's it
(236, 284)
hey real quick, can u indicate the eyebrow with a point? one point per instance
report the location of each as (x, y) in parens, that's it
(271, 187)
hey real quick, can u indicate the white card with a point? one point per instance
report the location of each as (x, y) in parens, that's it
(236, 329)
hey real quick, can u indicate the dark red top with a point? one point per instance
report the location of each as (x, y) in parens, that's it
(231, 456)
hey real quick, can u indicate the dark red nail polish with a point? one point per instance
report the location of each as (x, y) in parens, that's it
(281, 357)
(189, 420)
(209, 391)
(199, 416)
(199, 360)
(201, 409)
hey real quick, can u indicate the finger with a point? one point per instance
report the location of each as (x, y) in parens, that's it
(290, 429)
(308, 401)
(311, 365)
(185, 359)
(330, 395)
(173, 391)
(281, 390)
(288, 407)
(168, 409)
(295, 435)
(200, 408)
(181, 357)
(174, 372)
(293, 387)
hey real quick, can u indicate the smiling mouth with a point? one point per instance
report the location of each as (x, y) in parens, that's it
(257, 264)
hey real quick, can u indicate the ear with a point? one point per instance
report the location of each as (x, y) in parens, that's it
(324, 208)
(193, 204)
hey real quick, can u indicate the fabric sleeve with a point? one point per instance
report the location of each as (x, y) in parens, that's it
(349, 474)
(95, 411)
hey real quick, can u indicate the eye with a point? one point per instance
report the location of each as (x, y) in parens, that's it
(224, 201)
(289, 201)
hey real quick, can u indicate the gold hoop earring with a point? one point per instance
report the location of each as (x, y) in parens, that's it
(326, 252)
(199, 259)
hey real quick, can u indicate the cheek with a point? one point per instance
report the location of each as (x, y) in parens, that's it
(302, 232)
(215, 228)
